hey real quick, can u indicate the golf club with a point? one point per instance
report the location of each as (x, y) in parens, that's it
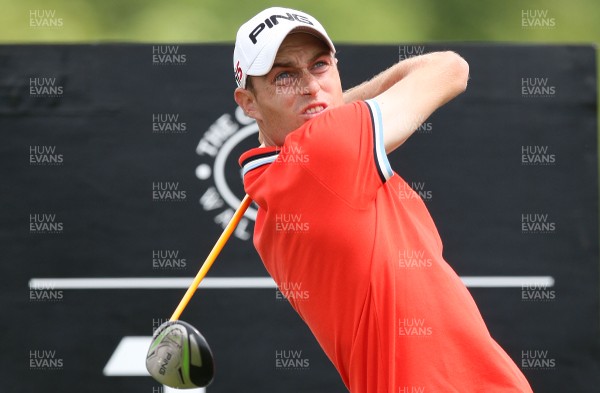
(179, 355)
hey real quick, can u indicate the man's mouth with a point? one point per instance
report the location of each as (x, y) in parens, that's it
(314, 109)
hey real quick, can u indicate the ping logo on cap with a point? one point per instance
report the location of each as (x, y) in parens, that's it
(272, 21)
(238, 73)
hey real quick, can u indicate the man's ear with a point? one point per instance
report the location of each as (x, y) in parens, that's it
(247, 101)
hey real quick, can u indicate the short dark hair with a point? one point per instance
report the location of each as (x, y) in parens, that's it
(249, 85)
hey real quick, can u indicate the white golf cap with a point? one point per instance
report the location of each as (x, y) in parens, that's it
(258, 40)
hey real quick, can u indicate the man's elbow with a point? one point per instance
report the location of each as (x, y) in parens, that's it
(458, 69)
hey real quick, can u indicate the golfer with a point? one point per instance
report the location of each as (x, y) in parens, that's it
(335, 222)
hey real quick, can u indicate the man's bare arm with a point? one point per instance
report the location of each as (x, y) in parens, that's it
(379, 83)
(411, 90)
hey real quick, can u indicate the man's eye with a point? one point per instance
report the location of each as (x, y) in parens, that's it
(283, 77)
(320, 65)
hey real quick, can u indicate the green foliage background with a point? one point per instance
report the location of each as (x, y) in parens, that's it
(347, 21)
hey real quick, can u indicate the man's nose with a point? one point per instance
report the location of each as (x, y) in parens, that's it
(311, 84)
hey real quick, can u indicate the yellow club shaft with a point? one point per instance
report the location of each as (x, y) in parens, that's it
(237, 216)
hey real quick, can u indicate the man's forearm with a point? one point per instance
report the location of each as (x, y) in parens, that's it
(386, 79)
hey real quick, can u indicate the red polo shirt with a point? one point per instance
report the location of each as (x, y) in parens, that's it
(358, 256)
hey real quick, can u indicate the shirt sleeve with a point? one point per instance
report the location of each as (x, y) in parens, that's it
(344, 151)
(381, 160)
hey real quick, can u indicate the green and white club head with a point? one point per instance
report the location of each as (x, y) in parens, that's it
(180, 357)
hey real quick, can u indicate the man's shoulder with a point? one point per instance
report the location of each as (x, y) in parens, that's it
(339, 118)
(343, 113)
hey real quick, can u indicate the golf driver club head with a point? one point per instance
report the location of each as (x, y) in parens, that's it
(180, 357)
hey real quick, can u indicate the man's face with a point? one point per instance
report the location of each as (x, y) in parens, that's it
(303, 82)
